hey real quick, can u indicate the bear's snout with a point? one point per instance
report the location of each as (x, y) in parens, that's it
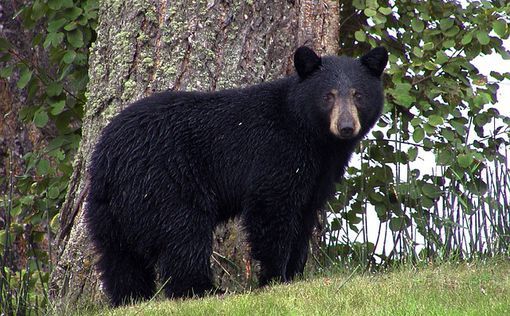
(344, 119)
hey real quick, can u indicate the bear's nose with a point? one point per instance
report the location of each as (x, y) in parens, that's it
(346, 132)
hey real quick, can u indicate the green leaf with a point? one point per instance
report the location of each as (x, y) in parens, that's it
(402, 94)
(405, 99)
(69, 3)
(358, 4)
(449, 43)
(57, 107)
(385, 10)
(6, 71)
(459, 127)
(360, 36)
(24, 78)
(448, 134)
(379, 19)
(428, 46)
(55, 4)
(482, 37)
(369, 12)
(372, 4)
(53, 192)
(54, 89)
(418, 134)
(430, 65)
(5, 58)
(75, 38)
(53, 39)
(397, 224)
(57, 153)
(33, 87)
(69, 56)
(402, 87)
(71, 26)
(452, 31)
(416, 121)
(417, 52)
(465, 160)
(3, 237)
(500, 28)
(435, 120)
(417, 25)
(467, 38)
(65, 72)
(73, 13)
(441, 57)
(445, 24)
(412, 153)
(43, 167)
(4, 44)
(83, 20)
(482, 119)
(335, 224)
(431, 190)
(39, 10)
(429, 129)
(376, 196)
(444, 157)
(40, 118)
(27, 200)
(55, 25)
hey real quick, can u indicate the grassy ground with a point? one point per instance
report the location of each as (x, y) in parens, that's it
(448, 289)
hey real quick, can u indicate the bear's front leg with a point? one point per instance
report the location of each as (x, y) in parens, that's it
(301, 244)
(271, 232)
(298, 256)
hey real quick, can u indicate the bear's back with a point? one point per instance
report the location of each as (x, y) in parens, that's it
(196, 142)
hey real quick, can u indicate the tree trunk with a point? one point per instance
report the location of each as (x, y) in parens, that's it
(145, 46)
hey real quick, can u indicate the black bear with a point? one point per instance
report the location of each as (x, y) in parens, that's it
(170, 167)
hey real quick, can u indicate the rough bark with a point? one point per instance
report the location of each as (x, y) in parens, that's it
(151, 45)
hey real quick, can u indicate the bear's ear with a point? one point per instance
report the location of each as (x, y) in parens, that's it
(306, 61)
(375, 60)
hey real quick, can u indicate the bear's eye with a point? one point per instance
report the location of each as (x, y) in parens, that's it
(357, 96)
(329, 101)
(329, 98)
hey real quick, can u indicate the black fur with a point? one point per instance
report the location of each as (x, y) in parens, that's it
(172, 166)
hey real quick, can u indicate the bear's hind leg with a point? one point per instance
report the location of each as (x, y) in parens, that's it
(126, 277)
(184, 265)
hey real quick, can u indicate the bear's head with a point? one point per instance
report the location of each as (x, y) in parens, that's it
(340, 96)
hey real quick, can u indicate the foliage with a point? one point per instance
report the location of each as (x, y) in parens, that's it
(55, 98)
(439, 106)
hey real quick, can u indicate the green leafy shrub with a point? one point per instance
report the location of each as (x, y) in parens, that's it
(439, 114)
(55, 99)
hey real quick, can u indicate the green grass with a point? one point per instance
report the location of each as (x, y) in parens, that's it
(447, 289)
